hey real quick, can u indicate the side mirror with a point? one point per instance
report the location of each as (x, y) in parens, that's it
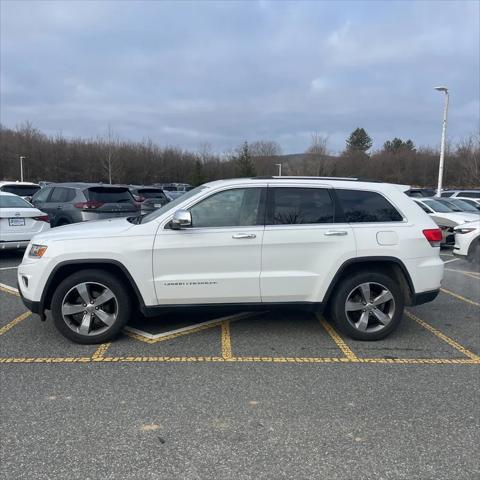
(181, 219)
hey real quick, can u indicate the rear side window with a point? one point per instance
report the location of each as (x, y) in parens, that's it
(21, 190)
(61, 194)
(109, 195)
(42, 195)
(361, 206)
(289, 206)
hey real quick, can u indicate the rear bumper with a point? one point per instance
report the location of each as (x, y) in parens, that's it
(424, 297)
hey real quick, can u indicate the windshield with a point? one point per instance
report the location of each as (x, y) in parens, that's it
(449, 204)
(171, 205)
(21, 190)
(437, 206)
(9, 201)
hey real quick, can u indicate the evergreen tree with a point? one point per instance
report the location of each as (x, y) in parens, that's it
(398, 145)
(359, 141)
(244, 163)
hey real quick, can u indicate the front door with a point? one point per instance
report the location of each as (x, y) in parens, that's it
(216, 260)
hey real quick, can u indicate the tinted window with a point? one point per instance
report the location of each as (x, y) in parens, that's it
(300, 206)
(109, 195)
(361, 206)
(21, 190)
(42, 195)
(423, 207)
(464, 205)
(469, 194)
(438, 207)
(150, 193)
(61, 194)
(230, 208)
(7, 201)
(447, 194)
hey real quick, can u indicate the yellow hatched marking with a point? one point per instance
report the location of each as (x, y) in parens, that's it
(100, 351)
(14, 322)
(456, 295)
(200, 359)
(338, 340)
(444, 337)
(226, 341)
(141, 338)
(11, 292)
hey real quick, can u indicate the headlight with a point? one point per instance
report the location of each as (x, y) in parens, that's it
(464, 230)
(37, 251)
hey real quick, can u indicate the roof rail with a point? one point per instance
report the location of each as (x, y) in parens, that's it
(348, 179)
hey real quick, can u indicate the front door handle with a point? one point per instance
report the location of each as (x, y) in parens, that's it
(244, 235)
(336, 233)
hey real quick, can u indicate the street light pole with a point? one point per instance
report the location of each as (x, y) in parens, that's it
(21, 167)
(442, 145)
(279, 165)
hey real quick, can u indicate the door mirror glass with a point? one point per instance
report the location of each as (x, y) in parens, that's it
(181, 219)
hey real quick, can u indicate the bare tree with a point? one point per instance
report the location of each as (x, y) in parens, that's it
(319, 144)
(264, 148)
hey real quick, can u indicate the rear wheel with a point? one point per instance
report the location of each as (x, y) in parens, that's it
(367, 305)
(474, 253)
(91, 306)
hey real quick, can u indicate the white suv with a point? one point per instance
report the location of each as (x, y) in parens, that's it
(357, 250)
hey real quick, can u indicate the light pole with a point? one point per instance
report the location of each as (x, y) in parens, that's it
(279, 165)
(21, 167)
(442, 145)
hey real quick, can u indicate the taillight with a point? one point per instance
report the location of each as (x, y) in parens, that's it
(434, 236)
(139, 198)
(42, 218)
(90, 205)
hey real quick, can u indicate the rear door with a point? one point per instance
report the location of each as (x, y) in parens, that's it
(305, 242)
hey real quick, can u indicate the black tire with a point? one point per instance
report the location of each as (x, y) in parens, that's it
(122, 305)
(343, 291)
(474, 253)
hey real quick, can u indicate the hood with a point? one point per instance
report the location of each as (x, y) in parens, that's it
(111, 227)
(475, 224)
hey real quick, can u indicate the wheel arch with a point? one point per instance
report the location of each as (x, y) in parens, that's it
(67, 268)
(389, 265)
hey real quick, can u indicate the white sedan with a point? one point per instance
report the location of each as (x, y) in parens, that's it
(467, 241)
(19, 221)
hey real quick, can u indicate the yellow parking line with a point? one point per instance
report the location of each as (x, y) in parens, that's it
(444, 337)
(226, 341)
(199, 359)
(100, 351)
(475, 275)
(8, 290)
(456, 295)
(14, 322)
(338, 339)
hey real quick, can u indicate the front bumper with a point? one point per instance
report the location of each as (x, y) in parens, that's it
(16, 245)
(34, 307)
(424, 297)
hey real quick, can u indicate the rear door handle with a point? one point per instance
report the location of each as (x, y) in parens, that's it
(239, 236)
(336, 233)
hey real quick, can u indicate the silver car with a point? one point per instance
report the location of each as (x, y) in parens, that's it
(67, 203)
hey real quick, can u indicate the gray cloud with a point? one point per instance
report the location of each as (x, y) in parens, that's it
(187, 73)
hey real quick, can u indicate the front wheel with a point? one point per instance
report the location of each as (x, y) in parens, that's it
(91, 306)
(367, 305)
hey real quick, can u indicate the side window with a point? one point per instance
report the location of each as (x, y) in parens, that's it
(230, 208)
(469, 194)
(42, 195)
(59, 195)
(300, 206)
(362, 206)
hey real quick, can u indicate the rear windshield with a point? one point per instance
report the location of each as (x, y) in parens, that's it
(109, 195)
(7, 201)
(21, 190)
(437, 206)
(151, 193)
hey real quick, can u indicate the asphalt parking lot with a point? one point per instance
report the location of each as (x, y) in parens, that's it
(267, 396)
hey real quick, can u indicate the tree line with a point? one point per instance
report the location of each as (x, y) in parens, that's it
(108, 158)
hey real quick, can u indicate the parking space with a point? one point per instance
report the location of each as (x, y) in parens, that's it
(445, 331)
(255, 395)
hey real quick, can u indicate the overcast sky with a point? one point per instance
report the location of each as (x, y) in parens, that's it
(189, 73)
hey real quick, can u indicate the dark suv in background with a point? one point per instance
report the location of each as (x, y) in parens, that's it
(150, 198)
(67, 203)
